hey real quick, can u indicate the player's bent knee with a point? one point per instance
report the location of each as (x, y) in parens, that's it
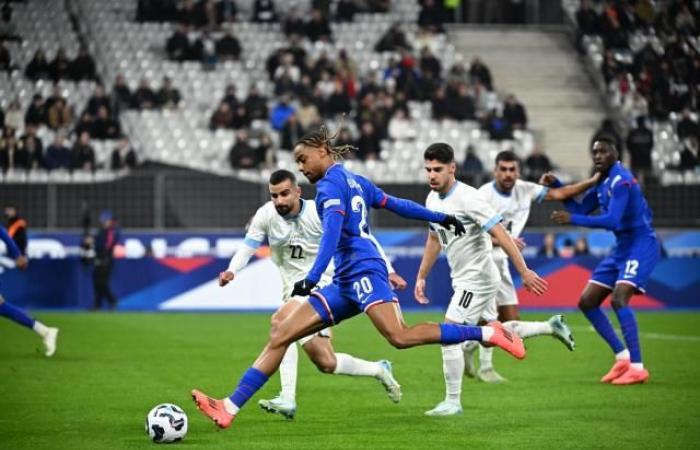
(325, 364)
(398, 341)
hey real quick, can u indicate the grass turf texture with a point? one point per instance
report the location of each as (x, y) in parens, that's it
(110, 369)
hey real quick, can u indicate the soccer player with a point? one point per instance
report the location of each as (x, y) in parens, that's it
(48, 335)
(624, 211)
(293, 229)
(512, 198)
(360, 283)
(475, 277)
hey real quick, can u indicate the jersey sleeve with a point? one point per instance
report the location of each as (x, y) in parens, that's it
(329, 198)
(478, 209)
(257, 229)
(610, 220)
(376, 196)
(535, 192)
(12, 248)
(588, 203)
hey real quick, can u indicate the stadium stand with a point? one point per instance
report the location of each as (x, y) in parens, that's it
(646, 59)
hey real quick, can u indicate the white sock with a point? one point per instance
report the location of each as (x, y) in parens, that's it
(349, 365)
(485, 358)
(528, 329)
(469, 346)
(230, 407)
(638, 366)
(486, 333)
(40, 328)
(624, 354)
(453, 369)
(288, 373)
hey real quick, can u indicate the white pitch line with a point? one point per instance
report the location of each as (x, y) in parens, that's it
(660, 336)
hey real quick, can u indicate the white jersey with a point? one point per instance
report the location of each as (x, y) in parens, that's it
(514, 207)
(294, 242)
(470, 255)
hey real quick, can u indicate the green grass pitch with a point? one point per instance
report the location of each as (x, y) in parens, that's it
(110, 369)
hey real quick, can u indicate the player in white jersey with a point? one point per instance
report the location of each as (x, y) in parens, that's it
(512, 197)
(475, 277)
(293, 230)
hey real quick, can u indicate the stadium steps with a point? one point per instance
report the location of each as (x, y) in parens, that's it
(542, 70)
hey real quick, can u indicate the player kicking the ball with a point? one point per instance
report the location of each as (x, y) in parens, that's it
(624, 211)
(475, 277)
(293, 230)
(512, 198)
(360, 283)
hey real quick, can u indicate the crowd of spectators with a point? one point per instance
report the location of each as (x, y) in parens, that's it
(651, 65)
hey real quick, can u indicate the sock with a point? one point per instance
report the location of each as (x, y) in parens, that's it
(624, 354)
(349, 365)
(628, 323)
(40, 328)
(602, 325)
(288, 373)
(485, 358)
(528, 329)
(16, 315)
(251, 381)
(453, 369)
(637, 366)
(454, 333)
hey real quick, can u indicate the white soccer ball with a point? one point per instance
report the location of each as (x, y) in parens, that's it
(166, 423)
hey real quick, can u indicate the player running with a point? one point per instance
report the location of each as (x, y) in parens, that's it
(293, 230)
(360, 283)
(512, 198)
(624, 211)
(475, 277)
(48, 335)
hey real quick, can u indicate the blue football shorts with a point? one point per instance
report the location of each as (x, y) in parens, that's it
(632, 262)
(342, 300)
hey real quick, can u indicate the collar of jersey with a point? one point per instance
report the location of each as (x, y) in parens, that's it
(502, 194)
(331, 168)
(301, 211)
(448, 193)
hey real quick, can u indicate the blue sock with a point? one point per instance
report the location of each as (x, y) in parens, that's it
(454, 333)
(628, 323)
(251, 381)
(604, 328)
(15, 314)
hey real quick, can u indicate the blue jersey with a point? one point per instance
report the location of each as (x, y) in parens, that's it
(623, 209)
(350, 195)
(12, 248)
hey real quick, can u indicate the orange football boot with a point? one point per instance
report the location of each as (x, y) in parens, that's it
(213, 408)
(632, 376)
(620, 367)
(507, 340)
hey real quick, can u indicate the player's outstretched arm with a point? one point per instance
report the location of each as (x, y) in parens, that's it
(571, 190)
(610, 220)
(430, 255)
(412, 210)
(587, 205)
(238, 261)
(531, 280)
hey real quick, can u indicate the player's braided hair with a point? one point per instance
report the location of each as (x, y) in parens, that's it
(321, 138)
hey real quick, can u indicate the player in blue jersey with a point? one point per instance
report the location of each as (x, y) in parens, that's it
(360, 282)
(624, 211)
(48, 334)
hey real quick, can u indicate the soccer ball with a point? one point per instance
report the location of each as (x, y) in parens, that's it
(166, 423)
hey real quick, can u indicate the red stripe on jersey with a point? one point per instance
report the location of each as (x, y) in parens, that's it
(382, 203)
